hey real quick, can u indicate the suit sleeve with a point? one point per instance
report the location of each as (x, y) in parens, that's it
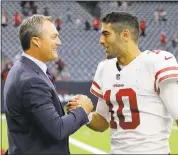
(37, 100)
(96, 87)
(165, 67)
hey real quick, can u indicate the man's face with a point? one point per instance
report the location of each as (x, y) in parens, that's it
(49, 41)
(110, 40)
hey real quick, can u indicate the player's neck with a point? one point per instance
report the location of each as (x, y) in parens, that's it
(128, 56)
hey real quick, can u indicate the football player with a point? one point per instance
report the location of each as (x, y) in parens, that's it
(137, 91)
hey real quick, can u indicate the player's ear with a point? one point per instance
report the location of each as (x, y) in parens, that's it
(36, 41)
(125, 35)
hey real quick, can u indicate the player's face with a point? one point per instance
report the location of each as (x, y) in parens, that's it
(49, 41)
(110, 40)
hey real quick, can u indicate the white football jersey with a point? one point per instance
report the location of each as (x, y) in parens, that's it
(139, 120)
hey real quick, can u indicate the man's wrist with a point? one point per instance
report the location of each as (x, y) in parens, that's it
(90, 117)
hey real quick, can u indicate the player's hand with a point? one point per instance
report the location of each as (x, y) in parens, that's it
(85, 103)
(80, 101)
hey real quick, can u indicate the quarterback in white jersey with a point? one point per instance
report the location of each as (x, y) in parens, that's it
(137, 91)
(130, 99)
(138, 97)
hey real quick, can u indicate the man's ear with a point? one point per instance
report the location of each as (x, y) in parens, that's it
(125, 35)
(36, 42)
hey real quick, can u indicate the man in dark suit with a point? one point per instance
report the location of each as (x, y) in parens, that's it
(35, 117)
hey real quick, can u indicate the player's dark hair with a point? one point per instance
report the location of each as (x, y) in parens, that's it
(121, 21)
(31, 27)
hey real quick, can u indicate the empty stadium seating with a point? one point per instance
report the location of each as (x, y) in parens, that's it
(80, 49)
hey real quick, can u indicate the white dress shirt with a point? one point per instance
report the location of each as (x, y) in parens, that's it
(41, 64)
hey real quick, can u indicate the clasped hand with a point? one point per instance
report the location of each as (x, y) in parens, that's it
(80, 101)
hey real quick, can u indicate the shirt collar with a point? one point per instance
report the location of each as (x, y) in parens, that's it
(41, 64)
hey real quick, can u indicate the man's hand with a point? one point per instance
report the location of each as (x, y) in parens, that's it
(80, 101)
(73, 103)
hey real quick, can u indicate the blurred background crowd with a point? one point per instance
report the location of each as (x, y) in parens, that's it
(78, 23)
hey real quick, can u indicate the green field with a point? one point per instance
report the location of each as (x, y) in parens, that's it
(94, 139)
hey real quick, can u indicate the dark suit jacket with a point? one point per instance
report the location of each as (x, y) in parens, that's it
(35, 117)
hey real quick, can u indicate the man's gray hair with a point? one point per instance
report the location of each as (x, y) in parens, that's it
(31, 27)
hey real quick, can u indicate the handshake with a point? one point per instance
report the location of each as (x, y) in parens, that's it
(80, 101)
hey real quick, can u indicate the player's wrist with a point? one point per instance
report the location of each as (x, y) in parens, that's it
(90, 117)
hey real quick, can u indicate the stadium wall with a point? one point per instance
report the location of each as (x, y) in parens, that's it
(65, 90)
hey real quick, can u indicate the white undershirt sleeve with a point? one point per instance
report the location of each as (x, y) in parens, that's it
(103, 109)
(169, 96)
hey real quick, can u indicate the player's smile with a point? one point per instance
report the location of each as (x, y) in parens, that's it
(55, 49)
(106, 48)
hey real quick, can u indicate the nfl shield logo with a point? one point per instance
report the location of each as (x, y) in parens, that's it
(117, 76)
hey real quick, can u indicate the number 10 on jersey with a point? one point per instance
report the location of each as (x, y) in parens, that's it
(130, 93)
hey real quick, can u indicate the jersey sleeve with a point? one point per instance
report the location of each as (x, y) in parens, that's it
(96, 87)
(165, 67)
(103, 109)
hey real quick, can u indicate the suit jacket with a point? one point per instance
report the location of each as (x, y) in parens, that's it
(35, 117)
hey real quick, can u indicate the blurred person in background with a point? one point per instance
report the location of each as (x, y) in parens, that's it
(46, 11)
(26, 9)
(174, 40)
(69, 15)
(34, 8)
(163, 41)
(78, 23)
(6, 70)
(140, 111)
(157, 16)
(142, 28)
(87, 25)
(4, 19)
(60, 71)
(162, 14)
(58, 24)
(22, 3)
(36, 120)
(124, 5)
(17, 19)
(96, 23)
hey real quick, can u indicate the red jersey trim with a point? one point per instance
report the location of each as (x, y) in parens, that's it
(95, 93)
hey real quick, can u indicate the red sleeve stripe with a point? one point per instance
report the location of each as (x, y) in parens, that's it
(167, 77)
(96, 85)
(156, 90)
(161, 71)
(95, 93)
(164, 70)
(155, 86)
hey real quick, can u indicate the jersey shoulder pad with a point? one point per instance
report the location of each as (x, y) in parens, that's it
(160, 55)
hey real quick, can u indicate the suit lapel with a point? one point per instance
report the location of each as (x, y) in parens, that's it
(38, 70)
